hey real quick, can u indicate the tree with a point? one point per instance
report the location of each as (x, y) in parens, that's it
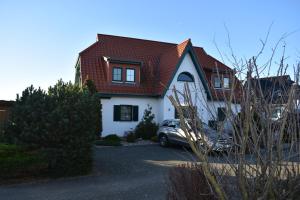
(93, 91)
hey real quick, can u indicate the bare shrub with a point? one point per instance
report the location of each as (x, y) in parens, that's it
(188, 182)
(264, 163)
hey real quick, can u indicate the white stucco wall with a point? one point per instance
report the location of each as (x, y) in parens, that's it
(214, 105)
(213, 112)
(118, 127)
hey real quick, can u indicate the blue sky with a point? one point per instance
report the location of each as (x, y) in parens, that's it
(40, 40)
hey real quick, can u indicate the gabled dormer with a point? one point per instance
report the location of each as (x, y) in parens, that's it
(123, 72)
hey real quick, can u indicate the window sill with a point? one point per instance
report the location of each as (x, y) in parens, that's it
(119, 82)
(222, 88)
(125, 121)
(124, 83)
(129, 82)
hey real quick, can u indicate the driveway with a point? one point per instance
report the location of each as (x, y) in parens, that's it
(136, 172)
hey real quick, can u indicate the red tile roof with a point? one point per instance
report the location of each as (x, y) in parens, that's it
(159, 60)
(170, 58)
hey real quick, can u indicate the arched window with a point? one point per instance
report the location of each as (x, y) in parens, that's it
(185, 76)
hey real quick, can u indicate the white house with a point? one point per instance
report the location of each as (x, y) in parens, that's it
(131, 73)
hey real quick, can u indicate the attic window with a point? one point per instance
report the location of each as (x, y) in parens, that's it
(130, 75)
(221, 82)
(186, 77)
(226, 82)
(217, 82)
(117, 74)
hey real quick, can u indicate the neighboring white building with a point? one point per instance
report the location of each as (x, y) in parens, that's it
(131, 74)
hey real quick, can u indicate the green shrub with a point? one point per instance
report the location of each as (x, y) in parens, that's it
(98, 116)
(2, 136)
(131, 137)
(29, 118)
(2, 129)
(154, 138)
(62, 121)
(147, 128)
(7, 150)
(109, 140)
(112, 137)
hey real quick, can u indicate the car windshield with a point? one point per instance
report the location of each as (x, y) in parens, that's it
(190, 125)
(176, 123)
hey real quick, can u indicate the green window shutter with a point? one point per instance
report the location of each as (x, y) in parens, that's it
(221, 114)
(117, 113)
(135, 113)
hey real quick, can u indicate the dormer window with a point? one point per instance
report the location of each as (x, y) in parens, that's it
(123, 72)
(130, 75)
(221, 82)
(117, 74)
(217, 82)
(226, 83)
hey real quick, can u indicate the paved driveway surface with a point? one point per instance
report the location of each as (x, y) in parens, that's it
(136, 172)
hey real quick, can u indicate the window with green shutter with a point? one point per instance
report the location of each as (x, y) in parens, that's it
(126, 113)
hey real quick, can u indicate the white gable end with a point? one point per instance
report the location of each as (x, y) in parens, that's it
(198, 93)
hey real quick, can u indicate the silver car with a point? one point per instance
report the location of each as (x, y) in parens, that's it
(170, 132)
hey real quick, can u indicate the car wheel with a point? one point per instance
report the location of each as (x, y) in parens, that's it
(163, 140)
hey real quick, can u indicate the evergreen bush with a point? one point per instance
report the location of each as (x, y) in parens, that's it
(63, 122)
(147, 128)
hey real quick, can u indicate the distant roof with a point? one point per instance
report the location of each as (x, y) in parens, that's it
(275, 82)
(6, 103)
(274, 88)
